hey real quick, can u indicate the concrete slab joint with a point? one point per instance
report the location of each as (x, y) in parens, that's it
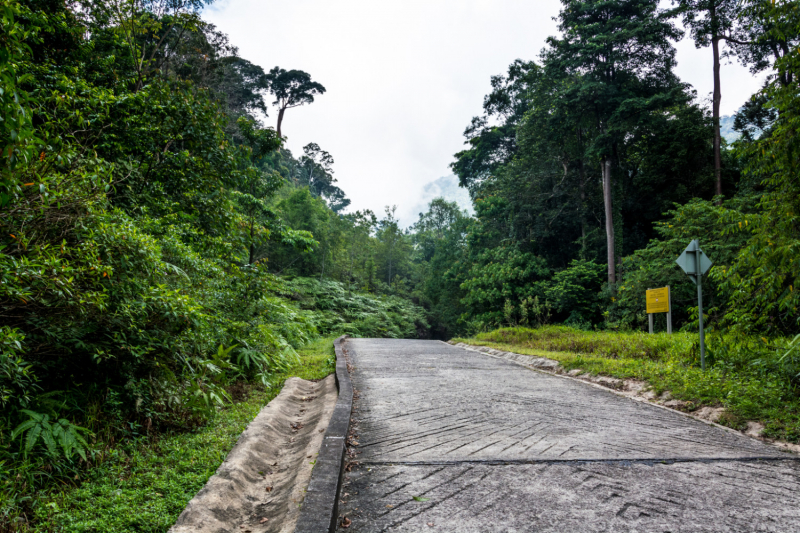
(320, 506)
(462, 440)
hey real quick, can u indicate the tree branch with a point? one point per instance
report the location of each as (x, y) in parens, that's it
(735, 40)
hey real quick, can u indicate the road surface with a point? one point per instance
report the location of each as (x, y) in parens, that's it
(453, 440)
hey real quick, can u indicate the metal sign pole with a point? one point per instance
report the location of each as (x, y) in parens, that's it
(700, 304)
(657, 301)
(669, 313)
(695, 267)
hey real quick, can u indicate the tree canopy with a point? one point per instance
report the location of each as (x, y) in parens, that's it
(291, 88)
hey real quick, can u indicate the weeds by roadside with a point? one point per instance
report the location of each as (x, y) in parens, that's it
(610, 344)
(144, 486)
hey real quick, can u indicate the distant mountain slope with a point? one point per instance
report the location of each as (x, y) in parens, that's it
(446, 187)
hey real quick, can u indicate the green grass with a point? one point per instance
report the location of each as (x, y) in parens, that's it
(143, 488)
(749, 390)
(634, 345)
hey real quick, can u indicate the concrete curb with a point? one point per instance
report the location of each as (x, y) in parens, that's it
(320, 507)
(548, 366)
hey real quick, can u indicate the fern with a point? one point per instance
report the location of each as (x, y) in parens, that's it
(252, 359)
(57, 436)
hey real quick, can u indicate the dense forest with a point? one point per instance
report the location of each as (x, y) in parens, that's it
(593, 167)
(158, 242)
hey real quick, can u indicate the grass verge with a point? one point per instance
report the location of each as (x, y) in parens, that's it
(144, 487)
(749, 390)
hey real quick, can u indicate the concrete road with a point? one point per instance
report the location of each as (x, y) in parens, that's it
(453, 440)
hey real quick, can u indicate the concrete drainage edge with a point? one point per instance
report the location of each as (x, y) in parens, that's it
(550, 367)
(320, 507)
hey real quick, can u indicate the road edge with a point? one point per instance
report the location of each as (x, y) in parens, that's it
(778, 445)
(320, 508)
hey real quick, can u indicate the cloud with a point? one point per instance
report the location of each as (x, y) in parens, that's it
(445, 187)
(405, 78)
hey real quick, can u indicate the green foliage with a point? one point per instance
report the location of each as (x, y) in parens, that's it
(58, 437)
(654, 266)
(338, 311)
(145, 486)
(498, 275)
(17, 381)
(17, 132)
(763, 279)
(576, 290)
(303, 211)
(393, 249)
(790, 361)
(440, 255)
(139, 214)
(316, 172)
(492, 146)
(291, 88)
(603, 92)
(148, 222)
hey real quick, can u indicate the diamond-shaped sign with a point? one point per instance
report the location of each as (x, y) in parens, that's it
(688, 261)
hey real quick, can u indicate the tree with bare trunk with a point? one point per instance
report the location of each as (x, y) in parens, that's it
(291, 88)
(616, 60)
(711, 22)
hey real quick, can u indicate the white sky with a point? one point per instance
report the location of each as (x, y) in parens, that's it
(404, 79)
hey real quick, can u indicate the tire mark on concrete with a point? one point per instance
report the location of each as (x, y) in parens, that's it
(627, 464)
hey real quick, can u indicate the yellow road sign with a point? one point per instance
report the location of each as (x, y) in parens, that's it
(658, 300)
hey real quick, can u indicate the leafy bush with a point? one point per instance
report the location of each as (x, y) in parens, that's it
(575, 292)
(654, 266)
(59, 437)
(144, 486)
(497, 276)
(17, 381)
(338, 311)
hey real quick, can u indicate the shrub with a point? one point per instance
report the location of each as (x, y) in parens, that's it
(337, 311)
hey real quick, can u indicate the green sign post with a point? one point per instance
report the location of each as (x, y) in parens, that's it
(696, 263)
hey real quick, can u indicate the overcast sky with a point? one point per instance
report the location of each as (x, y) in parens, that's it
(404, 79)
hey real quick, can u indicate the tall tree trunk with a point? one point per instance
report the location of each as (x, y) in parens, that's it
(252, 244)
(582, 209)
(717, 99)
(605, 168)
(582, 188)
(280, 120)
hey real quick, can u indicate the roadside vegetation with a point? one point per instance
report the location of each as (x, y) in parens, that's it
(145, 484)
(337, 310)
(160, 250)
(751, 381)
